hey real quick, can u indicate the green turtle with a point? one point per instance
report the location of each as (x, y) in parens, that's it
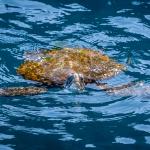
(64, 68)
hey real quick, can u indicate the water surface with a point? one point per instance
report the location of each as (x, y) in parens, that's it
(62, 119)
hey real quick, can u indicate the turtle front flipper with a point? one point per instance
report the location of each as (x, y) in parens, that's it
(125, 88)
(21, 91)
(75, 80)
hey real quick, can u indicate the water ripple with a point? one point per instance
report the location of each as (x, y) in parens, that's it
(124, 140)
(130, 24)
(77, 120)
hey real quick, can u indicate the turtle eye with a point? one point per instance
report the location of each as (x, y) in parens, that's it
(81, 78)
(82, 84)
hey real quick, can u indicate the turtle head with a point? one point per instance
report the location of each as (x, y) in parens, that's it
(76, 80)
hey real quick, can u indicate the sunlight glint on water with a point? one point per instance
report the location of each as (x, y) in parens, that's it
(63, 119)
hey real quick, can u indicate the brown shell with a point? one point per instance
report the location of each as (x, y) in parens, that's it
(52, 67)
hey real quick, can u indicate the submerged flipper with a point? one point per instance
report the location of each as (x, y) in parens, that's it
(19, 91)
(126, 89)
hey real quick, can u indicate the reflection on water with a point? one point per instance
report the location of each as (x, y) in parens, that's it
(125, 140)
(64, 119)
(131, 25)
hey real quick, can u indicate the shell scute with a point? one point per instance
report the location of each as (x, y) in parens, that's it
(53, 66)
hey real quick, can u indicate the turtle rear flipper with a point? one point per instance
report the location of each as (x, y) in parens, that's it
(20, 91)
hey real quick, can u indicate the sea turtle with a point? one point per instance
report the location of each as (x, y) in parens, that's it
(64, 67)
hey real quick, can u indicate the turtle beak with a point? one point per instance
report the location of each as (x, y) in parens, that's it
(75, 79)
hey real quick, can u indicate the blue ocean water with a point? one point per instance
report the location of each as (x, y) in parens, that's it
(65, 120)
